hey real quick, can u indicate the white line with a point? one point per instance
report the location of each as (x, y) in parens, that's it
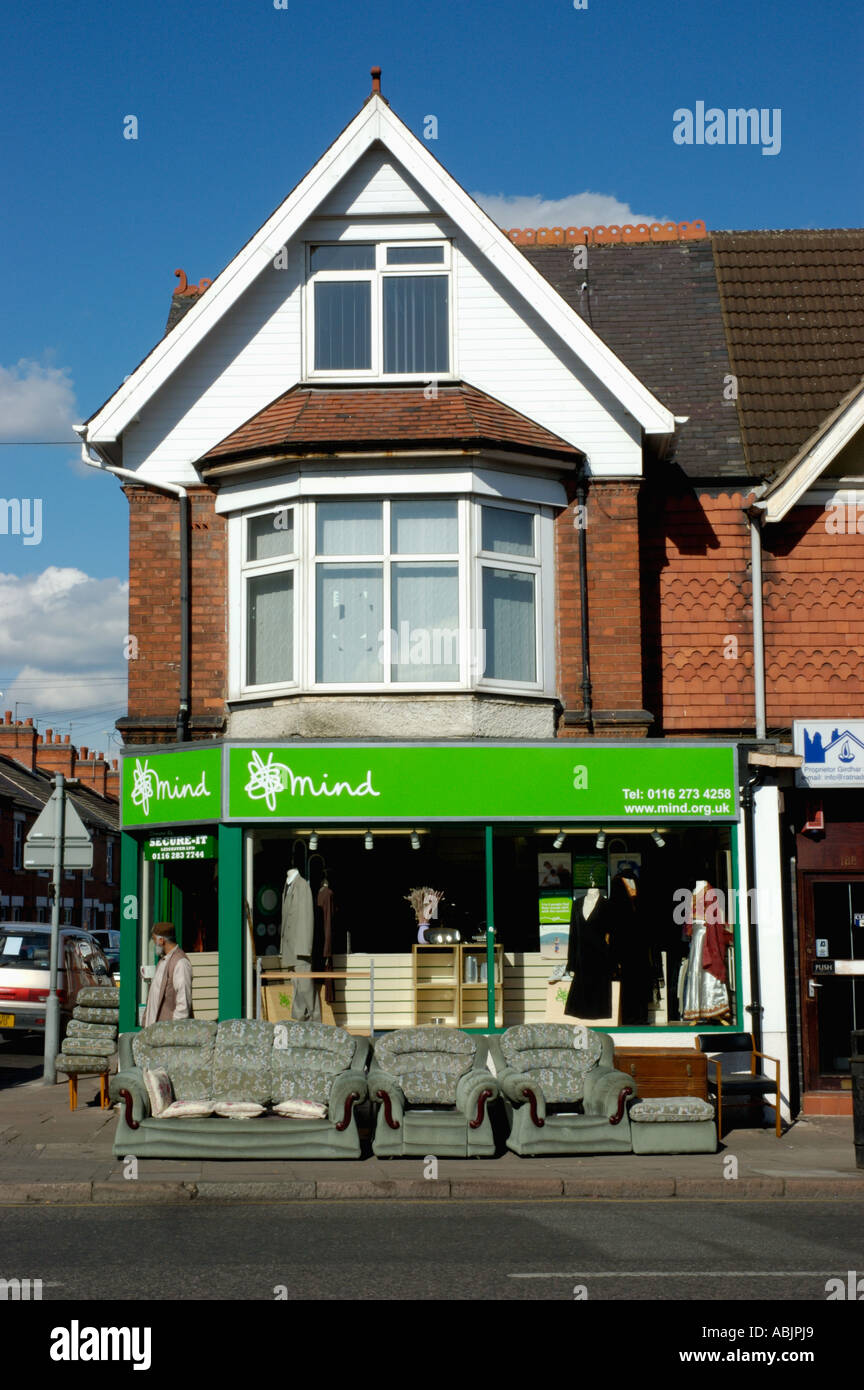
(685, 1274)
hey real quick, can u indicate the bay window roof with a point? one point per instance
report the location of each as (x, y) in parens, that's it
(319, 420)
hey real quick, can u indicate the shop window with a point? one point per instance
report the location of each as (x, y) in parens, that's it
(412, 592)
(368, 316)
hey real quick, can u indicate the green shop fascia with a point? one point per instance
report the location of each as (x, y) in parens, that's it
(514, 834)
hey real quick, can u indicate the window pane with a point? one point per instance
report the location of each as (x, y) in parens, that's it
(270, 628)
(415, 323)
(342, 258)
(349, 528)
(509, 623)
(271, 535)
(508, 533)
(424, 528)
(349, 625)
(343, 338)
(424, 643)
(415, 255)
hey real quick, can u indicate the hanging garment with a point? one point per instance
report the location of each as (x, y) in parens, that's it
(632, 951)
(590, 958)
(705, 995)
(298, 929)
(326, 906)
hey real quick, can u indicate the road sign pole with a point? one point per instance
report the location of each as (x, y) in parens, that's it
(52, 1005)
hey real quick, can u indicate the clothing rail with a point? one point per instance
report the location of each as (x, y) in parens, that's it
(273, 976)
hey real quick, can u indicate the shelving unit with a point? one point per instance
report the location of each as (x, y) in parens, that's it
(442, 989)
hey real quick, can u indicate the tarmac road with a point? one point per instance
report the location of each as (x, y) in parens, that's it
(395, 1250)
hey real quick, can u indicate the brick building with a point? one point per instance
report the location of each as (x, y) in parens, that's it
(594, 482)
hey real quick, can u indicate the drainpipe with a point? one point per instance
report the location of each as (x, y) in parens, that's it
(173, 490)
(758, 625)
(581, 499)
(754, 1008)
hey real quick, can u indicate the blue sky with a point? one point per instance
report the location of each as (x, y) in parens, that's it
(570, 111)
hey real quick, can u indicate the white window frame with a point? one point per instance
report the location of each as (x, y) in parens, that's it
(471, 560)
(375, 277)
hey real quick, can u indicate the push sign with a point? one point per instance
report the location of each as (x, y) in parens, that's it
(823, 967)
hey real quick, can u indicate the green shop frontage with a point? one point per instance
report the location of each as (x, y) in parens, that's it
(475, 885)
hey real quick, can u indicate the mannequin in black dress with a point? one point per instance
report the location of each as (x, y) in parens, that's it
(590, 958)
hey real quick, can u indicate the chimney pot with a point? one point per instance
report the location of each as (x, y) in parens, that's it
(376, 81)
(49, 735)
(7, 718)
(84, 752)
(66, 738)
(28, 722)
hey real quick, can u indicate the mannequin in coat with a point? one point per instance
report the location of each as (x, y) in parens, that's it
(298, 929)
(590, 958)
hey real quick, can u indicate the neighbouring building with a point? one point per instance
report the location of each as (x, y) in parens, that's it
(460, 560)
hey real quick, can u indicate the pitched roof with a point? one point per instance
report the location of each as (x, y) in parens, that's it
(327, 419)
(793, 302)
(657, 307)
(31, 790)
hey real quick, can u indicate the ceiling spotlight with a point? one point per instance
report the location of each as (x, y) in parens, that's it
(559, 840)
(657, 838)
(415, 840)
(368, 841)
(600, 842)
(313, 840)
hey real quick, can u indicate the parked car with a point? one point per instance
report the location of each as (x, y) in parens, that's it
(25, 949)
(110, 942)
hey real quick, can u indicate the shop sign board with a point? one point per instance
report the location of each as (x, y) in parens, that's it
(833, 752)
(562, 782)
(317, 784)
(164, 847)
(173, 787)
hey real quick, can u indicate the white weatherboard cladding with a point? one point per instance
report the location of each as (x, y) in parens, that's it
(377, 184)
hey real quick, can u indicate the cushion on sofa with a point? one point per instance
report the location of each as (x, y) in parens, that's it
(185, 1049)
(671, 1110)
(157, 1083)
(238, 1109)
(427, 1062)
(97, 996)
(301, 1110)
(188, 1110)
(559, 1055)
(242, 1059)
(305, 1058)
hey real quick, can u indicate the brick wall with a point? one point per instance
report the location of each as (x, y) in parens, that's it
(154, 611)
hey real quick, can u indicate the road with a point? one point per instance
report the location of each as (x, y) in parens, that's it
(393, 1250)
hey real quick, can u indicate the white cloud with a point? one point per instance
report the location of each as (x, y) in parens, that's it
(36, 402)
(576, 210)
(61, 642)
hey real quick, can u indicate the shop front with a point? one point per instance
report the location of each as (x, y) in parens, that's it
(469, 884)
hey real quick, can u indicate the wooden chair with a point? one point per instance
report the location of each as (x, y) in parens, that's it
(104, 1102)
(736, 1073)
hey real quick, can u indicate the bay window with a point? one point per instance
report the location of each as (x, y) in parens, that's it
(377, 593)
(378, 309)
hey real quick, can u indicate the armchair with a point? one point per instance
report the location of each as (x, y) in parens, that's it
(433, 1089)
(733, 1057)
(561, 1091)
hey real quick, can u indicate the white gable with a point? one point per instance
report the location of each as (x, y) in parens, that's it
(376, 185)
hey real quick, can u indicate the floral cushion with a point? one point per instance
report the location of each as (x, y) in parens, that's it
(671, 1110)
(96, 1015)
(301, 1110)
(241, 1060)
(70, 1062)
(558, 1055)
(185, 1049)
(238, 1109)
(76, 1029)
(305, 1059)
(427, 1062)
(158, 1086)
(188, 1109)
(96, 996)
(89, 1047)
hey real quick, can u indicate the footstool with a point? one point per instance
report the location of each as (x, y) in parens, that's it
(673, 1125)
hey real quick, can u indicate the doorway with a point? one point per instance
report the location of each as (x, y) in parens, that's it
(832, 956)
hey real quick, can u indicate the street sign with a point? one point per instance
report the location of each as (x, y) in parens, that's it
(40, 843)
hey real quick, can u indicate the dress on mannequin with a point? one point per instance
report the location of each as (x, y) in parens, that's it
(631, 944)
(704, 992)
(298, 930)
(590, 958)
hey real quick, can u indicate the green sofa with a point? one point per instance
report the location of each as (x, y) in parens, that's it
(433, 1089)
(241, 1060)
(561, 1092)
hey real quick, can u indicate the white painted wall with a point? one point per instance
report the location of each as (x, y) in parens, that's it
(769, 911)
(253, 354)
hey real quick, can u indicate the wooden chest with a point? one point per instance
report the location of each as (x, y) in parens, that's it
(665, 1071)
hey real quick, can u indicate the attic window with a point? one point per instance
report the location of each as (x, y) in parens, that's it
(368, 317)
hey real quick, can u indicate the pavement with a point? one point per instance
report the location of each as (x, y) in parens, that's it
(49, 1154)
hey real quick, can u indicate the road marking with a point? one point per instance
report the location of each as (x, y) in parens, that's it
(685, 1274)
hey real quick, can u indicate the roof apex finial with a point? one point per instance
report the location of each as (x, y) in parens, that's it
(376, 81)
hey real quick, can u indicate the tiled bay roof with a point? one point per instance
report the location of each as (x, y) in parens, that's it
(323, 419)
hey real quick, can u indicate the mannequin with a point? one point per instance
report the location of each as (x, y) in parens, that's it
(632, 949)
(298, 928)
(703, 988)
(590, 958)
